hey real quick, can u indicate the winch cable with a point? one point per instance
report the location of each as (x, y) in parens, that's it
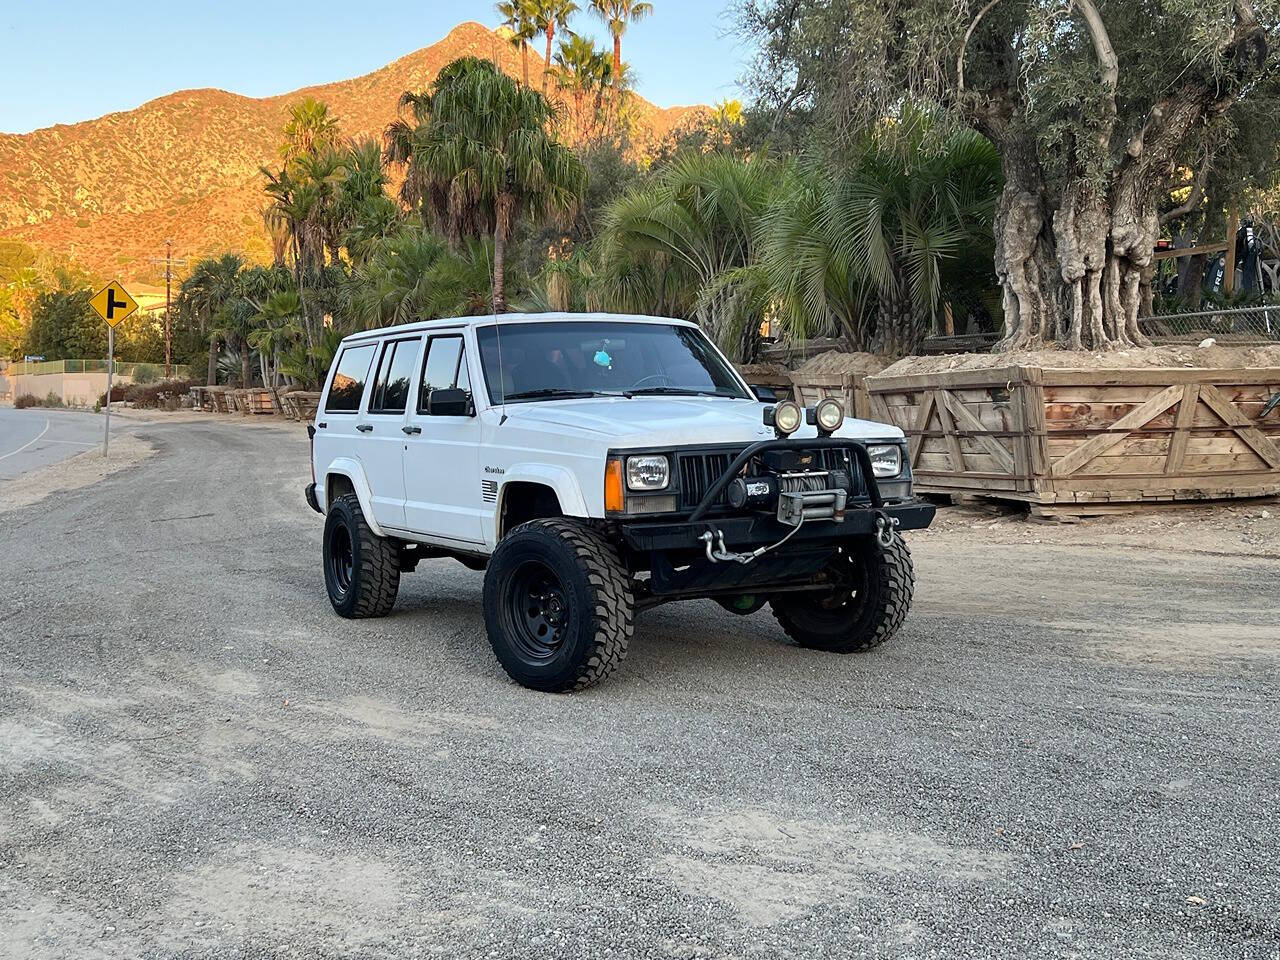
(722, 554)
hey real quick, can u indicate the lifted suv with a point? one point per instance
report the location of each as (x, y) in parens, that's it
(595, 466)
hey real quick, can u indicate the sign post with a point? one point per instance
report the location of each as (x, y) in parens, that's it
(113, 304)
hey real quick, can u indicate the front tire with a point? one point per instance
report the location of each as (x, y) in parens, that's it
(361, 569)
(868, 607)
(558, 605)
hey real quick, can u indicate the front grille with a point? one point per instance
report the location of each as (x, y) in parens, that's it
(698, 470)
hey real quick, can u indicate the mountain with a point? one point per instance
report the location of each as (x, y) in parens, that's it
(108, 192)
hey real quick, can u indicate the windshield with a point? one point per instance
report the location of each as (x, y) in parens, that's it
(548, 361)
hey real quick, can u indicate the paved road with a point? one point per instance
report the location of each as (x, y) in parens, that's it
(1068, 752)
(35, 437)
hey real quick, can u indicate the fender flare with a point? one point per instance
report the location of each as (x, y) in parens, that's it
(353, 470)
(561, 480)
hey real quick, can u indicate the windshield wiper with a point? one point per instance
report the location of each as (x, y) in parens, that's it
(674, 392)
(555, 393)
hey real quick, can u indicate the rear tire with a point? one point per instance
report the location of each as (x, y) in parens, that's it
(558, 605)
(864, 612)
(361, 569)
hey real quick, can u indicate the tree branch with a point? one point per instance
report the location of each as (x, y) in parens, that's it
(1108, 64)
(1195, 196)
(965, 42)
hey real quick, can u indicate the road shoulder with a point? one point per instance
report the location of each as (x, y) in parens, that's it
(74, 473)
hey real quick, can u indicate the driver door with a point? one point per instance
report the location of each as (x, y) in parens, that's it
(442, 452)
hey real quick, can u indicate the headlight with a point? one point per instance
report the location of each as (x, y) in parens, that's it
(787, 417)
(829, 414)
(886, 461)
(648, 473)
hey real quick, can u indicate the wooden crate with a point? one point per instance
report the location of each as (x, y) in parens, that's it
(256, 400)
(1072, 436)
(849, 388)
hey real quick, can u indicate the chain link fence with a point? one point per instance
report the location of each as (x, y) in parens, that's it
(1244, 325)
(137, 372)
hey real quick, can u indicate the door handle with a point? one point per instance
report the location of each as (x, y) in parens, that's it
(410, 430)
(364, 427)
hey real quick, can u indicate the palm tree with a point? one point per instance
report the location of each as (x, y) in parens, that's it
(701, 214)
(275, 330)
(617, 16)
(485, 151)
(547, 16)
(309, 131)
(415, 275)
(905, 214)
(211, 284)
(582, 71)
(518, 17)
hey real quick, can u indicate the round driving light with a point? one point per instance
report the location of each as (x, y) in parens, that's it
(787, 417)
(830, 415)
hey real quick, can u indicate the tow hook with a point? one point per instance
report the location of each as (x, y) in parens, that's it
(886, 529)
(717, 552)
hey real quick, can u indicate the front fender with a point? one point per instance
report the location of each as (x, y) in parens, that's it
(353, 470)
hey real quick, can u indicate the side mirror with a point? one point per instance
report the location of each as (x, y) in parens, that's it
(450, 402)
(764, 394)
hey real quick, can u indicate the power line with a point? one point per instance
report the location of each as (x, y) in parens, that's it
(169, 263)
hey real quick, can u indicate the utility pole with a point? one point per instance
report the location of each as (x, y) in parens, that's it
(169, 264)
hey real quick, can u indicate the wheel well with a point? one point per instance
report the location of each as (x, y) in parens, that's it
(337, 485)
(523, 501)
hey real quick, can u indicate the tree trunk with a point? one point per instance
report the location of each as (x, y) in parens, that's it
(899, 328)
(246, 357)
(1085, 282)
(502, 227)
(212, 377)
(524, 61)
(617, 59)
(546, 63)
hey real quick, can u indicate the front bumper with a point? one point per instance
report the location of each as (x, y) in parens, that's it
(754, 530)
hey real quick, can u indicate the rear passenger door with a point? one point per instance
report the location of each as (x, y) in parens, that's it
(381, 427)
(339, 413)
(442, 452)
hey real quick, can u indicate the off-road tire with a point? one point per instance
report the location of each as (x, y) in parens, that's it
(374, 568)
(596, 593)
(886, 581)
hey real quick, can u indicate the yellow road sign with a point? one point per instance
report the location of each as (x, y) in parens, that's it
(113, 303)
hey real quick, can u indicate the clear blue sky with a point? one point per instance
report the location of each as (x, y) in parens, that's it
(69, 60)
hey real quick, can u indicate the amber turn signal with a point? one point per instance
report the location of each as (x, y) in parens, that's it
(613, 502)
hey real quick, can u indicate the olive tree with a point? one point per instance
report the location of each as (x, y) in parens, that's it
(1097, 107)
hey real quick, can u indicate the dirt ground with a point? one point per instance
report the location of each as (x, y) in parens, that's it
(1213, 357)
(1069, 750)
(1248, 528)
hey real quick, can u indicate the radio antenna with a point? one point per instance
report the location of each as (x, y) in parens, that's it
(497, 334)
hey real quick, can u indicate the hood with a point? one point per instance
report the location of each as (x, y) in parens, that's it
(672, 421)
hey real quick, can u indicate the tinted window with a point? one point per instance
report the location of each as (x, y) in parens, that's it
(606, 357)
(444, 356)
(348, 379)
(391, 387)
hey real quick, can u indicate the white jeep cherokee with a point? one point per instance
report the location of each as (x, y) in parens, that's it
(596, 465)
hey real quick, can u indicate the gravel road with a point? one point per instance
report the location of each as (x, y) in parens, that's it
(1069, 751)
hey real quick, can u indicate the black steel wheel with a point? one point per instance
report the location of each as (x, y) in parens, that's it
(538, 612)
(867, 607)
(558, 605)
(361, 569)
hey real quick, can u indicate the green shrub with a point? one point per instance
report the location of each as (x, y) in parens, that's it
(118, 391)
(155, 394)
(53, 400)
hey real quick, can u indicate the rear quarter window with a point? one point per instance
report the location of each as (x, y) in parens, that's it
(349, 376)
